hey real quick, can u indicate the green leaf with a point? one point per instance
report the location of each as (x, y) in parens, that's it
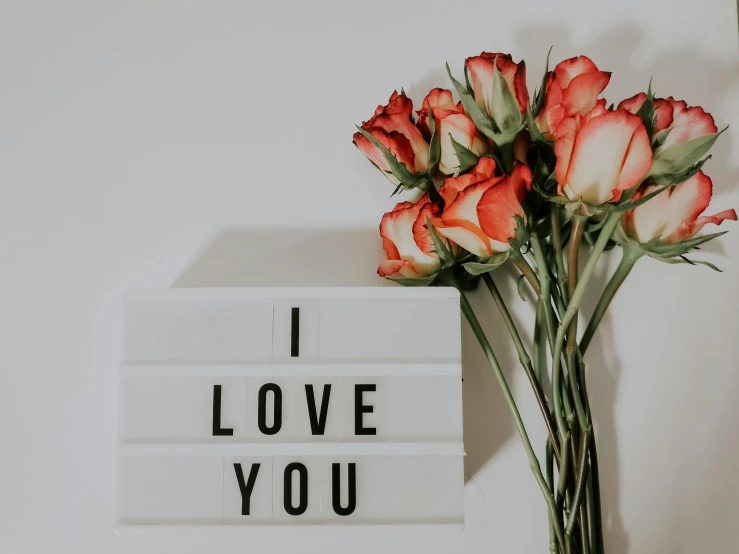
(684, 260)
(646, 112)
(481, 119)
(674, 179)
(683, 247)
(626, 206)
(445, 255)
(539, 97)
(398, 169)
(520, 287)
(503, 105)
(486, 265)
(467, 159)
(435, 145)
(411, 282)
(680, 157)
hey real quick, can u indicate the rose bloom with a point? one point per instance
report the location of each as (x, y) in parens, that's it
(481, 207)
(675, 214)
(600, 155)
(482, 69)
(407, 241)
(685, 123)
(393, 127)
(451, 122)
(572, 88)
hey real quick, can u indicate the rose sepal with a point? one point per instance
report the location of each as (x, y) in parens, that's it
(486, 265)
(541, 93)
(446, 256)
(467, 158)
(646, 113)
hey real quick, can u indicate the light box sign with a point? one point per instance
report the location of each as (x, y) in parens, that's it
(308, 406)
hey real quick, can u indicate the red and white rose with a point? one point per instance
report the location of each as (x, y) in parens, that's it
(451, 122)
(393, 127)
(480, 215)
(674, 215)
(681, 122)
(572, 88)
(482, 71)
(409, 250)
(601, 155)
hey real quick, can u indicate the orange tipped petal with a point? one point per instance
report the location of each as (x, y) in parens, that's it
(500, 204)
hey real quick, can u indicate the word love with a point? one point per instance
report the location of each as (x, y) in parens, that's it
(317, 418)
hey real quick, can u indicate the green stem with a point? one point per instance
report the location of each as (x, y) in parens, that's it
(523, 266)
(545, 286)
(580, 482)
(550, 481)
(629, 257)
(523, 358)
(590, 509)
(564, 468)
(557, 241)
(610, 225)
(538, 352)
(573, 253)
(490, 355)
(593, 492)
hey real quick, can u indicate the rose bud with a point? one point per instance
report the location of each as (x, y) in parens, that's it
(674, 215)
(393, 127)
(451, 123)
(482, 215)
(600, 155)
(409, 250)
(572, 88)
(684, 123)
(482, 70)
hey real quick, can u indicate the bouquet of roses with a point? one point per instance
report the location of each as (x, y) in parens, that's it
(530, 182)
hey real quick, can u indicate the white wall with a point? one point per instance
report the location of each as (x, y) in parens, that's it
(149, 144)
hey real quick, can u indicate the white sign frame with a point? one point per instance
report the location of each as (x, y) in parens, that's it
(174, 336)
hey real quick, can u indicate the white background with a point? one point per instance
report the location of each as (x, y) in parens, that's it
(151, 144)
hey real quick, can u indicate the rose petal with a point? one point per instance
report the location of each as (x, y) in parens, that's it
(566, 133)
(567, 70)
(398, 234)
(673, 214)
(463, 130)
(687, 124)
(602, 150)
(484, 169)
(470, 241)
(390, 267)
(582, 93)
(399, 146)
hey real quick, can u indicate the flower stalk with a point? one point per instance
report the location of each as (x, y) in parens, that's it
(629, 257)
(510, 401)
(524, 359)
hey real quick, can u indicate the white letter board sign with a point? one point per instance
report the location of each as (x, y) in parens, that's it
(299, 406)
